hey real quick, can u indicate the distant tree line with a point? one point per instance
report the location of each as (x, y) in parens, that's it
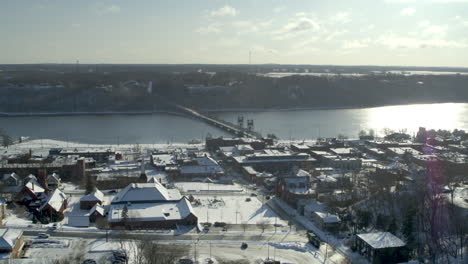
(109, 92)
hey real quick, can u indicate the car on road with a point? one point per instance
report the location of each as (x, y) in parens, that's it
(267, 197)
(253, 194)
(43, 235)
(244, 246)
(219, 224)
(185, 261)
(248, 199)
(278, 225)
(89, 261)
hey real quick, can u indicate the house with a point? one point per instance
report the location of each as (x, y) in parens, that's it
(11, 179)
(53, 181)
(11, 241)
(96, 212)
(326, 221)
(295, 187)
(88, 201)
(150, 205)
(381, 247)
(56, 203)
(31, 191)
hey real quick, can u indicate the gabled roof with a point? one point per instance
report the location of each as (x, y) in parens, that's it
(96, 195)
(53, 176)
(382, 240)
(10, 175)
(140, 212)
(34, 186)
(97, 208)
(146, 192)
(8, 237)
(55, 200)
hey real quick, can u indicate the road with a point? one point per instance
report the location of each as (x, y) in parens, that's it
(218, 236)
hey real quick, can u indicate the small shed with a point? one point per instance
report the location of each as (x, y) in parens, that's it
(88, 201)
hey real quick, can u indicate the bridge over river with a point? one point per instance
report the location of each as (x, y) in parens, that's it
(223, 125)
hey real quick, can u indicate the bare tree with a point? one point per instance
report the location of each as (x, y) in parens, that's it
(263, 224)
(244, 225)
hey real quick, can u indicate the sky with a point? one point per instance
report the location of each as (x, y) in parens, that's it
(340, 32)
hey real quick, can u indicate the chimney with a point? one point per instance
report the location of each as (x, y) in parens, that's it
(42, 179)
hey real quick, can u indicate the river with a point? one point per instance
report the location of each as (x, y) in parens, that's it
(292, 124)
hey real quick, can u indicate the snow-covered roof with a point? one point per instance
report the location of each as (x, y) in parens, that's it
(97, 208)
(96, 195)
(78, 220)
(12, 175)
(8, 237)
(205, 165)
(244, 147)
(53, 176)
(34, 186)
(145, 192)
(381, 240)
(302, 173)
(55, 200)
(139, 212)
(328, 218)
(249, 170)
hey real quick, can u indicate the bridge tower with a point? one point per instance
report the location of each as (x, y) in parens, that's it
(250, 125)
(240, 121)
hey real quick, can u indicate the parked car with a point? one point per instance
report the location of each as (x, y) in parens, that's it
(267, 197)
(248, 199)
(89, 261)
(185, 261)
(43, 235)
(253, 194)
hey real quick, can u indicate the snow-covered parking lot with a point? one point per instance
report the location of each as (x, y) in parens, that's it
(233, 209)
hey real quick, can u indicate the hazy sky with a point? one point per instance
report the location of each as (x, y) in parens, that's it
(379, 32)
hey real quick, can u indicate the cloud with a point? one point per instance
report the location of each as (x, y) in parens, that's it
(434, 30)
(101, 9)
(301, 24)
(356, 44)
(225, 11)
(341, 17)
(409, 11)
(278, 9)
(211, 28)
(250, 26)
(396, 42)
(451, 1)
(297, 26)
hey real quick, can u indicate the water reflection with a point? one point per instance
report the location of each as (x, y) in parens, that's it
(411, 117)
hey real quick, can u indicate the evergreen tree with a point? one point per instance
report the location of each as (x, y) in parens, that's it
(392, 227)
(125, 215)
(407, 228)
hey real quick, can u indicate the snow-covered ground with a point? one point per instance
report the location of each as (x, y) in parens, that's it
(202, 187)
(234, 210)
(341, 250)
(42, 146)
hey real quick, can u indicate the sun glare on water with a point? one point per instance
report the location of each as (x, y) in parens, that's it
(411, 117)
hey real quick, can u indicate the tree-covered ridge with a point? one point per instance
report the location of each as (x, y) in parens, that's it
(35, 91)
